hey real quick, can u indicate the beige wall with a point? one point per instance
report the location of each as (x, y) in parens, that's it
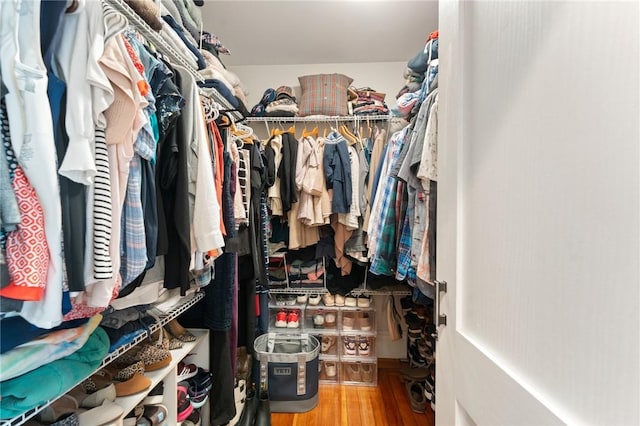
(382, 76)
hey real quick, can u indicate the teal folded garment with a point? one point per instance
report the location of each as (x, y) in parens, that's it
(34, 388)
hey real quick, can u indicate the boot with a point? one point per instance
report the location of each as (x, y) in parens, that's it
(243, 364)
(250, 406)
(263, 416)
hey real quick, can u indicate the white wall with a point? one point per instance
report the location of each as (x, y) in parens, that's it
(382, 76)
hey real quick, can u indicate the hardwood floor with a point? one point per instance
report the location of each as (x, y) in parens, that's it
(384, 405)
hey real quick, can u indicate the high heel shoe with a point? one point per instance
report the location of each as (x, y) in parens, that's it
(180, 332)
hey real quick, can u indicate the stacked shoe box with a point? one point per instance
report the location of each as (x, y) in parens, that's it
(322, 321)
(286, 312)
(358, 358)
(346, 330)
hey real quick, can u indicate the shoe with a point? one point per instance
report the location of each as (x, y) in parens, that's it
(263, 412)
(127, 380)
(134, 417)
(155, 395)
(367, 372)
(156, 414)
(200, 384)
(349, 345)
(339, 300)
(350, 301)
(186, 371)
(414, 373)
(194, 419)
(240, 395)
(70, 419)
(415, 391)
(301, 299)
(329, 299)
(280, 300)
(106, 414)
(406, 304)
(290, 300)
(174, 342)
(365, 322)
(364, 301)
(281, 319)
(250, 406)
(243, 363)
(314, 299)
(363, 346)
(330, 320)
(318, 321)
(327, 343)
(180, 332)
(90, 394)
(331, 369)
(153, 356)
(353, 372)
(59, 409)
(184, 404)
(292, 320)
(347, 322)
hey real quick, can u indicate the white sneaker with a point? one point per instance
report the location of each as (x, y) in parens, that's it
(350, 301)
(339, 300)
(301, 299)
(314, 299)
(328, 299)
(364, 301)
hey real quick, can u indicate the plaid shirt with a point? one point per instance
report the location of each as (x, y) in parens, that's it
(384, 242)
(133, 245)
(404, 246)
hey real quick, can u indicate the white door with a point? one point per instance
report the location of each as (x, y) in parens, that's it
(538, 213)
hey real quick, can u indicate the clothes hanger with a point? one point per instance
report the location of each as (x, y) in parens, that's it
(344, 131)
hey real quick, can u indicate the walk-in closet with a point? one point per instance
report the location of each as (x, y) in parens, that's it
(252, 213)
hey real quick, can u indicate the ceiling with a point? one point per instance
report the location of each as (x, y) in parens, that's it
(311, 32)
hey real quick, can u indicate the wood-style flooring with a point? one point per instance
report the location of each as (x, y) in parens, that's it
(384, 405)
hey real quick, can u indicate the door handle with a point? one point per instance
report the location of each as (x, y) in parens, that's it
(441, 319)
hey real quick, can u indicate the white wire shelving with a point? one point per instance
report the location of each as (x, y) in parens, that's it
(320, 119)
(165, 48)
(184, 304)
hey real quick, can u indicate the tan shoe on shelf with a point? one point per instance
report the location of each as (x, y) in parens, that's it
(180, 332)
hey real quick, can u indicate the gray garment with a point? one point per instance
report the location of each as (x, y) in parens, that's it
(364, 172)
(9, 213)
(172, 9)
(192, 105)
(190, 16)
(418, 196)
(420, 130)
(112, 318)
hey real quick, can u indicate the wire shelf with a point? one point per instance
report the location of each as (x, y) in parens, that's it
(320, 118)
(143, 28)
(186, 303)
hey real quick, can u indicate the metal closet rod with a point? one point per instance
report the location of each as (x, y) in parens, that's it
(140, 25)
(311, 119)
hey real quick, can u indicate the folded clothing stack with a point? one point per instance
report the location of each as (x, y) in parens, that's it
(366, 101)
(276, 103)
(424, 65)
